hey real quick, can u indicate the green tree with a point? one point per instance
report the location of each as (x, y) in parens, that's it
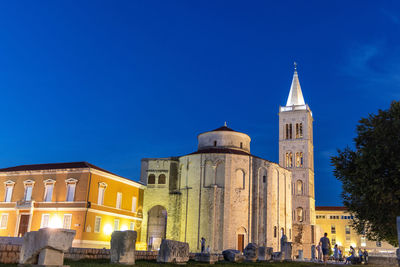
(370, 175)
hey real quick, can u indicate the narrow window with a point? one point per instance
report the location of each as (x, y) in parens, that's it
(347, 229)
(241, 145)
(215, 143)
(287, 131)
(151, 179)
(161, 179)
(45, 220)
(333, 240)
(264, 179)
(100, 197)
(300, 130)
(333, 229)
(119, 200)
(9, 191)
(4, 221)
(48, 192)
(67, 221)
(134, 200)
(301, 159)
(290, 233)
(97, 224)
(28, 193)
(290, 160)
(116, 225)
(70, 192)
(297, 159)
(297, 131)
(300, 215)
(275, 231)
(132, 226)
(290, 131)
(299, 187)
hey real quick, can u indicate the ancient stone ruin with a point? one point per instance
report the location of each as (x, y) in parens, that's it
(251, 252)
(233, 255)
(173, 251)
(46, 246)
(206, 258)
(123, 247)
(265, 253)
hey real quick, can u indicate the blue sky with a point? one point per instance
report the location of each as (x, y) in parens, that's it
(111, 82)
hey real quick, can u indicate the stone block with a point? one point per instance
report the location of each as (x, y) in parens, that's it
(206, 258)
(277, 256)
(43, 242)
(265, 253)
(123, 245)
(233, 255)
(301, 255)
(251, 252)
(173, 251)
(49, 256)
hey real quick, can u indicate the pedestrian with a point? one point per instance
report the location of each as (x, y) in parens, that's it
(203, 244)
(208, 250)
(336, 253)
(360, 255)
(352, 255)
(365, 256)
(326, 245)
(340, 255)
(319, 251)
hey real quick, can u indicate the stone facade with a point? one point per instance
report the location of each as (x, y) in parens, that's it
(220, 192)
(296, 153)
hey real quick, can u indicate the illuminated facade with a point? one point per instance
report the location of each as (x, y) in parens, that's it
(220, 192)
(296, 153)
(75, 195)
(336, 221)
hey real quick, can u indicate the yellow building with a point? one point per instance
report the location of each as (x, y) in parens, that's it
(336, 221)
(75, 195)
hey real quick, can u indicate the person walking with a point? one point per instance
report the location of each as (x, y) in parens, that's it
(360, 255)
(319, 251)
(326, 245)
(365, 256)
(203, 244)
(336, 253)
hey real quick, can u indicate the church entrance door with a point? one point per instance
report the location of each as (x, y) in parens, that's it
(241, 242)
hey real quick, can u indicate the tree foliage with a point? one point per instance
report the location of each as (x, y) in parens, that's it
(370, 175)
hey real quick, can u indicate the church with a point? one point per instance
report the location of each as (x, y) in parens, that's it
(231, 197)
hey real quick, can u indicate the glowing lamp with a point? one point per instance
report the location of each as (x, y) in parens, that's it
(108, 229)
(124, 228)
(55, 222)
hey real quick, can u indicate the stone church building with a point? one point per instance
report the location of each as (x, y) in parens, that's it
(230, 197)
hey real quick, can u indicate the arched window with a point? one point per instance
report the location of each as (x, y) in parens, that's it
(299, 214)
(301, 159)
(289, 160)
(240, 179)
(299, 187)
(275, 229)
(161, 179)
(151, 179)
(241, 145)
(299, 130)
(215, 143)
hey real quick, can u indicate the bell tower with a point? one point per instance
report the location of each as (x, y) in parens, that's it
(296, 153)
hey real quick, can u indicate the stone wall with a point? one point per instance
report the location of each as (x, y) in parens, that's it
(10, 254)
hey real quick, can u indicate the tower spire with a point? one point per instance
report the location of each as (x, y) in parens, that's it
(295, 95)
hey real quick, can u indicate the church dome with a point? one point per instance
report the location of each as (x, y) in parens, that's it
(224, 137)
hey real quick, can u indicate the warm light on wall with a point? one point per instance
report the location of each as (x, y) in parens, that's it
(124, 228)
(55, 222)
(339, 244)
(108, 229)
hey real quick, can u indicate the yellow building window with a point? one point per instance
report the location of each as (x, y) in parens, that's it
(28, 184)
(134, 201)
(116, 225)
(71, 186)
(4, 221)
(97, 224)
(48, 190)
(119, 200)
(67, 221)
(45, 221)
(9, 190)
(132, 226)
(100, 197)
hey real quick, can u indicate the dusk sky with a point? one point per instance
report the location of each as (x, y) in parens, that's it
(111, 82)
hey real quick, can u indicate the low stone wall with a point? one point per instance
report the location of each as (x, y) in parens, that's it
(381, 260)
(10, 254)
